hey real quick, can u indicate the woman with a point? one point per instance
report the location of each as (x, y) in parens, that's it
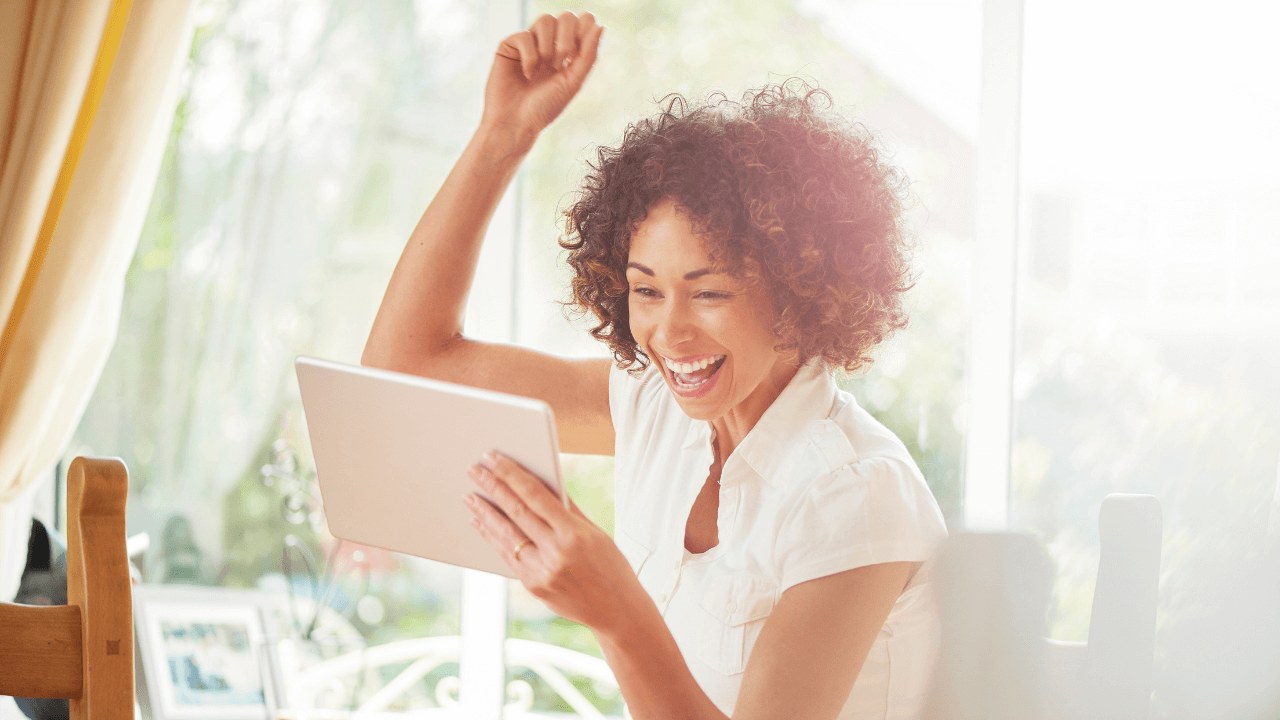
(770, 532)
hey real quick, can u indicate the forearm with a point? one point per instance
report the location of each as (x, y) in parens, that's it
(422, 310)
(651, 672)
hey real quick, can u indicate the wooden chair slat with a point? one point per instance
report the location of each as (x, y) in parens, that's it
(81, 651)
(40, 655)
(98, 581)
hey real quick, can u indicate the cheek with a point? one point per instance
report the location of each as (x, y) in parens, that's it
(640, 325)
(733, 329)
(751, 334)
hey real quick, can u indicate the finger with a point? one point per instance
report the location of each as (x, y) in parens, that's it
(586, 59)
(529, 487)
(511, 503)
(522, 48)
(586, 21)
(566, 45)
(544, 31)
(504, 533)
(503, 542)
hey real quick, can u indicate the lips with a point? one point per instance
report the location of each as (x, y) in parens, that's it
(695, 376)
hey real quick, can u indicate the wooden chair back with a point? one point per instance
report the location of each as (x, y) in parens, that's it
(82, 651)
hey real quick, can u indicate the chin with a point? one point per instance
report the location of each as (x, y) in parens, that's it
(697, 411)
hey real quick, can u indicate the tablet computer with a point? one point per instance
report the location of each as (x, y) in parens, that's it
(392, 451)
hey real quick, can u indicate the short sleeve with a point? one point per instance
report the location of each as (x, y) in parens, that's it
(635, 405)
(622, 392)
(875, 510)
(631, 398)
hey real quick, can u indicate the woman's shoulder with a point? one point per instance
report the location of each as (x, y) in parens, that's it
(644, 413)
(869, 505)
(847, 443)
(862, 467)
(635, 392)
(866, 436)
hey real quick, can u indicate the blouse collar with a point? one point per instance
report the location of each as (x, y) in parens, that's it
(809, 396)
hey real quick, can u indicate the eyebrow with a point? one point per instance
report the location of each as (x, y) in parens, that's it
(691, 275)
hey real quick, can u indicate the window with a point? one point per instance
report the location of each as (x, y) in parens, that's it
(310, 136)
(1149, 315)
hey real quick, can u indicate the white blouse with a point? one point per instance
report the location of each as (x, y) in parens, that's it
(817, 487)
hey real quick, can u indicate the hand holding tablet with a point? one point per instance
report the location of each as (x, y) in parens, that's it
(392, 453)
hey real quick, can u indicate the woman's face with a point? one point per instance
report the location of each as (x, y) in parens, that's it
(709, 333)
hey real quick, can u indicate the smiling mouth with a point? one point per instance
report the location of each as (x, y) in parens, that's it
(691, 376)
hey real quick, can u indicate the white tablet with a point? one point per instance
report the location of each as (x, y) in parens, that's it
(392, 452)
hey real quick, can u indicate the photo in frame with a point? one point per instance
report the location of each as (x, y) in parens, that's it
(204, 652)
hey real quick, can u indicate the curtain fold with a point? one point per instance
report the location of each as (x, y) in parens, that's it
(74, 188)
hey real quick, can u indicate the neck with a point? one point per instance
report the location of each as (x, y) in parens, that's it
(734, 425)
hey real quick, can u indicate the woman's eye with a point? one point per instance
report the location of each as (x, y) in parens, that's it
(709, 295)
(644, 291)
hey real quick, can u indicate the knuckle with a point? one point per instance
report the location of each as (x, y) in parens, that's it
(557, 560)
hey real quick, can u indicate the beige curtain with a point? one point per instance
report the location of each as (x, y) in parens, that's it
(87, 92)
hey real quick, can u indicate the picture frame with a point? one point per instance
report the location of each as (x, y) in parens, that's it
(204, 653)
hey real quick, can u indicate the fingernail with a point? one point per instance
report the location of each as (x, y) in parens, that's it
(490, 457)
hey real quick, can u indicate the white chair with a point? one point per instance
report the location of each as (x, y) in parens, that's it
(994, 592)
(993, 589)
(1110, 675)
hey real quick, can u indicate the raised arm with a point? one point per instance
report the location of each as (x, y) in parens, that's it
(418, 328)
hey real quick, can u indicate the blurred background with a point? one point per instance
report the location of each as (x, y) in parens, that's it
(311, 134)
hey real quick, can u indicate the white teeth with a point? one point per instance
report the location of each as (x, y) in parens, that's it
(687, 368)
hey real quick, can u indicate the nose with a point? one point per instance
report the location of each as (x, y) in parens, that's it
(674, 326)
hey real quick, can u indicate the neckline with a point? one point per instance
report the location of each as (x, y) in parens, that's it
(705, 449)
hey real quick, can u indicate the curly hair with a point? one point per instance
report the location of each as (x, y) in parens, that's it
(783, 191)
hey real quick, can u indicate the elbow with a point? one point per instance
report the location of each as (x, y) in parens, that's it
(370, 357)
(380, 356)
(418, 361)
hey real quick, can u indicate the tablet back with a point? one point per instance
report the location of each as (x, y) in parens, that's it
(392, 452)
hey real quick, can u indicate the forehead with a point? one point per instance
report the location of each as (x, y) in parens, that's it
(667, 239)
